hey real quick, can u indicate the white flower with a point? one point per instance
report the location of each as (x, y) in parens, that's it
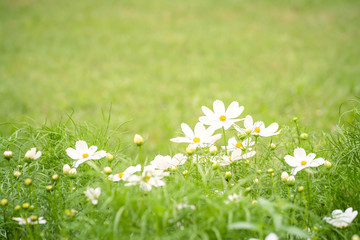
(199, 137)
(271, 236)
(301, 160)
(221, 118)
(166, 162)
(82, 153)
(341, 219)
(126, 174)
(284, 176)
(234, 144)
(257, 128)
(32, 154)
(235, 155)
(23, 221)
(149, 178)
(232, 198)
(93, 194)
(184, 205)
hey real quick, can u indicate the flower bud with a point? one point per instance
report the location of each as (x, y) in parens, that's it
(215, 166)
(291, 180)
(3, 202)
(247, 131)
(213, 150)
(284, 176)
(254, 202)
(17, 174)
(190, 150)
(270, 170)
(138, 140)
(109, 156)
(248, 189)
(20, 166)
(186, 172)
(72, 173)
(304, 136)
(28, 182)
(355, 237)
(25, 205)
(73, 189)
(256, 181)
(228, 175)
(272, 146)
(300, 189)
(327, 164)
(240, 135)
(205, 150)
(8, 155)
(173, 169)
(295, 119)
(66, 169)
(49, 188)
(31, 208)
(17, 208)
(70, 213)
(259, 171)
(55, 177)
(33, 218)
(107, 170)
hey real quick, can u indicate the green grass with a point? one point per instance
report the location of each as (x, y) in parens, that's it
(156, 62)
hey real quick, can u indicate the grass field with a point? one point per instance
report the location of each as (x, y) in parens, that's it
(66, 66)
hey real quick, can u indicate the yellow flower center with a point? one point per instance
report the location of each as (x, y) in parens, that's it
(303, 162)
(196, 139)
(239, 144)
(222, 118)
(147, 178)
(121, 175)
(257, 130)
(85, 155)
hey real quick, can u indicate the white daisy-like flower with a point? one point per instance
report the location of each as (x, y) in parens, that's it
(93, 194)
(257, 128)
(234, 144)
(23, 221)
(32, 154)
(300, 160)
(232, 198)
(235, 155)
(166, 162)
(184, 205)
(83, 153)
(341, 219)
(271, 236)
(126, 174)
(220, 117)
(199, 137)
(149, 178)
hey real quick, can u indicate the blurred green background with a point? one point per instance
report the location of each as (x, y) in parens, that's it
(157, 62)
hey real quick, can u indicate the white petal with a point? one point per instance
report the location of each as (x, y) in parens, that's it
(233, 111)
(81, 146)
(206, 120)
(37, 155)
(219, 107)
(181, 140)
(208, 113)
(296, 170)
(248, 122)
(317, 162)
(199, 129)
(300, 153)
(292, 161)
(74, 154)
(98, 155)
(92, 150)
(187, 131)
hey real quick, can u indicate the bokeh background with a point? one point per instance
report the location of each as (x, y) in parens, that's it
(157, 62)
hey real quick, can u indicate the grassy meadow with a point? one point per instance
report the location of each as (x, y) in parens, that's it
(103, 71)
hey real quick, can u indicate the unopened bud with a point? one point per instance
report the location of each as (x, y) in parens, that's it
(66, 169)
(272, 146)
(215, 166)
(55, 177)
(3, 202)
(295, 119)
(28, 182)
(213, 150)
(25, 205)
(291, 180)
(300, 189)
(8, 155)
(20, 166)
(17, 174)
(327, 164)
(138, 140)
(355, 237)
(110, 157)
(247, 131)
(254, 202)
(33, 218)
(270, 170)
(256, 181)
(31, 208)
(259, 171)
(304, 136)
(49, 188)
(17, 208)
(190, 150)
(228, 175)
(248, 189)
(107, 170)
(186, 172)
(72, 173)
(173, 169)
(284, 176)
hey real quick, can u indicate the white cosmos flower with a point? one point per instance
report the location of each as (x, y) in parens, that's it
(235, 155)
(220, 117)
(257, 128)
(300, 160)
(166, 162)
(83, 153)
(149, 178)
(199, 137)
(232, 198)
(271, 236)
(23, 221)
(32, 154)
(126, 174)
(93, 194)
(234, 144)
(341, 219)
(184, 205)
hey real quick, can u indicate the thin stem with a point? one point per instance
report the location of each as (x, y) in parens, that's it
(223, 129)
(141, 160)
(298, 132)
(11, 176)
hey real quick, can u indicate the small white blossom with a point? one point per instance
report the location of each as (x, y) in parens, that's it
(235, 155)
(126, 174)
(183, 205)
(32, 154)
(83, 153)
(341, 219)
(300, 160)
(257, 128)
(93, 194)
(23, 221)
(149, 178)
(166, 162)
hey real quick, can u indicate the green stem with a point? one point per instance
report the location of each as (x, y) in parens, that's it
(141, 160)
(223, 129)
(11, 176)
(298, 132)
